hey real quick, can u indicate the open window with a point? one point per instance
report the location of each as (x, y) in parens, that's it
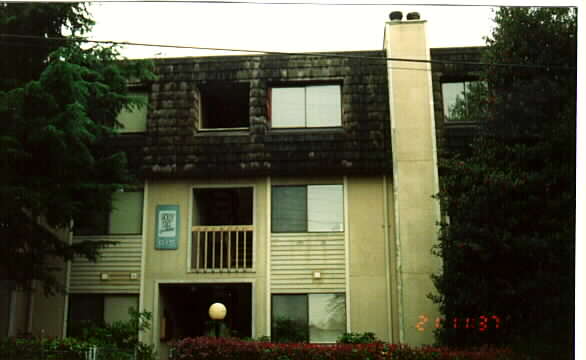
(311, 106)
(224, 106)
(222, 230)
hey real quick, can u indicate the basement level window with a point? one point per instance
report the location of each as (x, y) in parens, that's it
(309, 106)
(317, 318)
(224, 106)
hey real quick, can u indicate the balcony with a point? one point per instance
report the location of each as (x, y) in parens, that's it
(224, 248)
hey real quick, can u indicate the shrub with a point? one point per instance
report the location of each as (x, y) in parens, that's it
(357, 338)
(209, 348)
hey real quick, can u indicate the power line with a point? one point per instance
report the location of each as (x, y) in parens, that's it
(313, 3)
(268, 52)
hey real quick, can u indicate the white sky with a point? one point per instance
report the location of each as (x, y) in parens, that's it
(287, 28)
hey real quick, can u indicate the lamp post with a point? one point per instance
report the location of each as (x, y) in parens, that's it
(217, 313)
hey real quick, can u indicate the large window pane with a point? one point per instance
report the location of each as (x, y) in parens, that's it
(288, 107)
(325, 207)
(323, 106)
(451, 92)
(327, 317)
(135, 119)
(289, 209)
(289, 318)
(126, 215)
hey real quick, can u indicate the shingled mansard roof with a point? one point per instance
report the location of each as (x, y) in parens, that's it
(173, 146)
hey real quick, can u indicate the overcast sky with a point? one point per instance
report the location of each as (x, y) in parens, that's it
(288, 28)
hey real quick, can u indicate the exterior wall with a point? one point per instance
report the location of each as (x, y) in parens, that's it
(172, 266)
(120, 263)
(370, 281)
(361, 259)
(415, 176)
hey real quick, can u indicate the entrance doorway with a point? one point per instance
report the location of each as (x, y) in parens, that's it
(184, 309)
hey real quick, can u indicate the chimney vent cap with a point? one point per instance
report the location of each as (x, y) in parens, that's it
(396, 15)
(413, 16)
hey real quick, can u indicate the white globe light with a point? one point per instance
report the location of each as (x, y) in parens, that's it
(217, 311)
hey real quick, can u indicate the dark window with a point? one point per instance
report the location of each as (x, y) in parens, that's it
(84, 310)
(224, 106)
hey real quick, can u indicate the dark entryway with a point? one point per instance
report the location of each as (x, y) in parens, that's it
(185, 309)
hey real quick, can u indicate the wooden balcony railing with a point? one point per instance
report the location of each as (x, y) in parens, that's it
(223, 248)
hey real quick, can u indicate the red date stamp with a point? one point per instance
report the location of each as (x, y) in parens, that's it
(482, 323)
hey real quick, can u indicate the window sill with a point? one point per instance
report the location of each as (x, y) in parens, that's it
(305, 130)
(222, 131)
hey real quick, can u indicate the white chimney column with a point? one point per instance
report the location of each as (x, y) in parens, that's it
(415, 177)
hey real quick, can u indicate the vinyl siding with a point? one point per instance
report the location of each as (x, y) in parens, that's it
(118, 261)
(294, 258)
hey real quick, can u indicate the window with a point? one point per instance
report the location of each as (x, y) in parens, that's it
(306, 106)
(308, 208)
(456, 97)
(316, 318)
(134, 119)
(224, 106)
(125, 217)
(97, 309)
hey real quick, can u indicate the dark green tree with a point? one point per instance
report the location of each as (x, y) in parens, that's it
(58, 104)
(508, 240)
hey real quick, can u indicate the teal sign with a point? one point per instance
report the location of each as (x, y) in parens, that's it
(167, 236)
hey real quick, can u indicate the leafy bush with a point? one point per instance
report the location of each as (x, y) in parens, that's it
(121, 337)
(48, 348)
(210, 348)
(357, 338)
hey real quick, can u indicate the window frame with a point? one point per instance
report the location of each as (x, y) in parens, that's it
(305, 86)
(207, 90)
(307, 211)
(445, 112)
(107, 222)
(135, 92)
(308, 313)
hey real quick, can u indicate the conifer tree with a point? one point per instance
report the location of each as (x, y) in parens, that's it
(58, 105)
(508, 247)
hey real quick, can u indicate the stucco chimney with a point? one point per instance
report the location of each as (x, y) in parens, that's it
(415, 177)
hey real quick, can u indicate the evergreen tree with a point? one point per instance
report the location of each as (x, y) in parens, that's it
(58, 104)
(508, 247)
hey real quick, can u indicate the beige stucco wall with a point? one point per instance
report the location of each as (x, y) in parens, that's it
(370, 280)
(415, 176)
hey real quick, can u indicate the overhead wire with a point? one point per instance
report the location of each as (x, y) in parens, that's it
(310, 3)
(270, 52)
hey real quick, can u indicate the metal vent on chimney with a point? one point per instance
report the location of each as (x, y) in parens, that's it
(413, 16)
(396, 16)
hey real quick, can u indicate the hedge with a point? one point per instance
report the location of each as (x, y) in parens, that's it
(209, 348)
